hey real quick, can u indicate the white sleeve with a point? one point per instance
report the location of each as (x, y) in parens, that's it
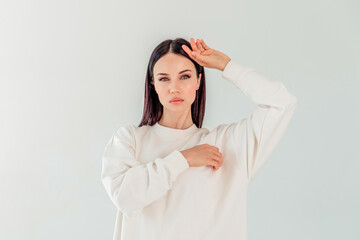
(130, 184)
(253, 139)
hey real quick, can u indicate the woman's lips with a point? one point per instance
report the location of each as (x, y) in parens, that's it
(176, 101)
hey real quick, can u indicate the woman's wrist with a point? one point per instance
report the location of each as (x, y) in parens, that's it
(224, 62)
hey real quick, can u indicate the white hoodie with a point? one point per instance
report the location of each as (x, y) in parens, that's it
(159, 197)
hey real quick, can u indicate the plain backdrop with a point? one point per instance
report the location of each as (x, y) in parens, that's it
(72, 72)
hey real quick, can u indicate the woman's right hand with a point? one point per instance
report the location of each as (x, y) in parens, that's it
(203, 155)
(206, 56)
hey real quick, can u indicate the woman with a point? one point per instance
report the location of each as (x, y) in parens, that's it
(157, 174)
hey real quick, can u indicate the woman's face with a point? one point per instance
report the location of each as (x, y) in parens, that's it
(175, 76)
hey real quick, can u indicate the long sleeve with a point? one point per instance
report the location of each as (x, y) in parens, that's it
(130, 184)
(253, 139)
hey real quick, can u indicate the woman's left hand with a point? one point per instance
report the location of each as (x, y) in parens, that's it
(206, 56)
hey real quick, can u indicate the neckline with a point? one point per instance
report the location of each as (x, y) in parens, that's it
(174, 132)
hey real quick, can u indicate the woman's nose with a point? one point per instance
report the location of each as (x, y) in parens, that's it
(174, 87)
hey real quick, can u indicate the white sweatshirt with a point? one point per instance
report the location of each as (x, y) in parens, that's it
(157, 194)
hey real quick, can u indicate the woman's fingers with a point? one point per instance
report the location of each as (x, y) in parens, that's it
(217, 160)
(193, 55)
(193, 45)
(197, 52)
(198, 44)
(188, 51)
(204, 45)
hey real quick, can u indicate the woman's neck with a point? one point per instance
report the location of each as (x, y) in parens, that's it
(182, 122)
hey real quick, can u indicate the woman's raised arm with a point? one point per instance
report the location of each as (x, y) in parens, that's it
(253, 139)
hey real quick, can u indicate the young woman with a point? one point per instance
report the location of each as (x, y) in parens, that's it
(171, 179)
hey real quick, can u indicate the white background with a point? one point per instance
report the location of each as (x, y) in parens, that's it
(72, 72)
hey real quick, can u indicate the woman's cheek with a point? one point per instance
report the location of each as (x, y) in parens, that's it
(161, 98)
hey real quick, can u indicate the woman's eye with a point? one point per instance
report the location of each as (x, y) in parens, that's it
(186, 77)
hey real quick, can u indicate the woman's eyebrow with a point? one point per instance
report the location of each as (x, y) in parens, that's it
(179, 72)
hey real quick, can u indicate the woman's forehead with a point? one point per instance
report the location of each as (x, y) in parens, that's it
(173, 62)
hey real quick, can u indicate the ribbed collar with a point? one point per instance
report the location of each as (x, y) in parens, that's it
(173, 132)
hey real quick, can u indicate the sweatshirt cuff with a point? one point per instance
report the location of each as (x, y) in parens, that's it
(178, 162)
(235, 72)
